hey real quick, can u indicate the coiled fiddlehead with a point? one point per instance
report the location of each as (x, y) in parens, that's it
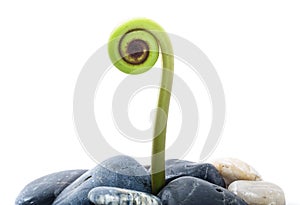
(134, 48)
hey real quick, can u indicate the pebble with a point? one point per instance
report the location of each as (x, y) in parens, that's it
(258, 192)
(119, 171)
(118, 196)
(194, 191)
(177, 168)
(44, 190)
(233, 169)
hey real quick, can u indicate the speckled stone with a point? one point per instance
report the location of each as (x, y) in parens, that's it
(119, 171)
(177, 168)
(194, 191)
(258, 192)
(45, 189)
(113, 195)
(233, 169)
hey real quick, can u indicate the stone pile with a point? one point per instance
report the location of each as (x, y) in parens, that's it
(122, 180)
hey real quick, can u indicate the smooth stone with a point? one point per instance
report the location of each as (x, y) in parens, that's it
(113, 195)
(44, 190)
(233, 169)
(119, 171)
(258, 192)
(177, 168)
(194, 191)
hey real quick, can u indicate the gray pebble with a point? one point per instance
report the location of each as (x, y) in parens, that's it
(119, 171)
(194, 191)
(44, 190)
(118, 196)
(177, 168)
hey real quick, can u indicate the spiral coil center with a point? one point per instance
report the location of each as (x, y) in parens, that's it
(137, 52)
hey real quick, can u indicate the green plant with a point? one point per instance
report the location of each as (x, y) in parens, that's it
(134, 48)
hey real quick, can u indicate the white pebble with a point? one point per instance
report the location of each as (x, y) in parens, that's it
(233, 169)
(258, 192)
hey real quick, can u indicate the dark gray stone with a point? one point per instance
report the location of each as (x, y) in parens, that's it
(45, 189)
(177, 168)
(112, 195)
(119, 171)
(194, 191)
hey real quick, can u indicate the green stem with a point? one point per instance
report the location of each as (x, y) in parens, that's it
(133, 49)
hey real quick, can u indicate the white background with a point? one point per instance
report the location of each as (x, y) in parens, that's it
(254, 46)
